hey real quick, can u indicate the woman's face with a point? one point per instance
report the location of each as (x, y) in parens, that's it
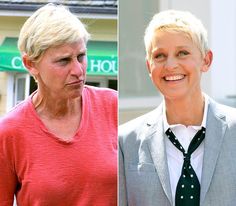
(61, 71)
(176, 64)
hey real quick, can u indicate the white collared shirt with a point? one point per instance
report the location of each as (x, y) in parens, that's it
(175, 156)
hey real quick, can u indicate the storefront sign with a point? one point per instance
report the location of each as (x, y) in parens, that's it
(102, 58)
(98, 66)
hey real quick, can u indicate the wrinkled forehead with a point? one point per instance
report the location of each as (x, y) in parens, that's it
(59, 46)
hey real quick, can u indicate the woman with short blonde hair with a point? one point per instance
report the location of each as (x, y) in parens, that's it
(58, 147)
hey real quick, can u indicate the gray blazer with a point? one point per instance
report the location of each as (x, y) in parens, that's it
(143, 171)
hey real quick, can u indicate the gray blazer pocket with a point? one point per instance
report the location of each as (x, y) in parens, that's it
(142, 167)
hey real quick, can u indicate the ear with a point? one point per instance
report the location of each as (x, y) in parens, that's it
(148, 67)
(29, 65)
(207, 61)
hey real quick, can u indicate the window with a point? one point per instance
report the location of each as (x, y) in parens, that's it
(20, 86)
(22, 83)
(112, 83)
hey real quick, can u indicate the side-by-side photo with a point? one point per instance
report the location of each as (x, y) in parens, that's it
(117, 103)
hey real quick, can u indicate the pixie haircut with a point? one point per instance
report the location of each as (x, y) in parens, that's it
(50, 26)
(177, 21)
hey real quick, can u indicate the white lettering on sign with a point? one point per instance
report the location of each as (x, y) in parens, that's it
(95, 64)
(104, 66)
(16, 63)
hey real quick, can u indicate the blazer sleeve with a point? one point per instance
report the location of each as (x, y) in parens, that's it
(122, 182)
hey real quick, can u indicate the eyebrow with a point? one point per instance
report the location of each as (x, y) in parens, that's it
(69, 55)
(59, 57)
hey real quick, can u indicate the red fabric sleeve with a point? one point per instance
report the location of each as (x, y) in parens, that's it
(8, 182)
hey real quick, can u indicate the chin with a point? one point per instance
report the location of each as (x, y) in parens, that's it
(174, 95)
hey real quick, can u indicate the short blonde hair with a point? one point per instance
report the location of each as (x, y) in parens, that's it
(178, 21)
(51, 25)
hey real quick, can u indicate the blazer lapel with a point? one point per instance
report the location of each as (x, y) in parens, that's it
(156, 145)
(214, 137)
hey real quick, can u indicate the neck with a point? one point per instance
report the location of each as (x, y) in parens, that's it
(186, 111)
(55, 108)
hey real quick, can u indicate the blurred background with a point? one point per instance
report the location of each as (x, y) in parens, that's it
(100, 16)
(137, 95)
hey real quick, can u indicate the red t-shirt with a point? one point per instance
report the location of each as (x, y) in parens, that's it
(42, 170)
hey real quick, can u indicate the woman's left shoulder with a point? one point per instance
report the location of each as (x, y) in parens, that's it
(105, 93)
(221, 110)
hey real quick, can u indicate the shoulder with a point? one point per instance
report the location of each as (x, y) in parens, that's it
(138, 126)
(224, 112)
(102, 102)
(100, 90)
(15, 114)
(104, 94)
(14, 122)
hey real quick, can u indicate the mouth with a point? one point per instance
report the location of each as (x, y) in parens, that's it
(177, 77)
(75, 83)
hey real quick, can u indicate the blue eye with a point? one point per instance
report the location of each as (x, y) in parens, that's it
(81, 57)
(64, 61)
(159, 56)
(183, 53)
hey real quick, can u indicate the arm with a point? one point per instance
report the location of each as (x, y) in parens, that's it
(122, 181)
(8, 178)
(7, 183)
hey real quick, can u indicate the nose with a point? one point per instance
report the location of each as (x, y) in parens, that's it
(171, 63)
(78, 68)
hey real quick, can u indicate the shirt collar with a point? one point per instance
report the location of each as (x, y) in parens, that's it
(167, 125)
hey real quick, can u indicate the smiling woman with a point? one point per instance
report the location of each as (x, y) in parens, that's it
(178, 154)
(59, 146)
(175, 66)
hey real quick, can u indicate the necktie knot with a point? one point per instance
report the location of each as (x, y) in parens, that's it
(187, 158)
